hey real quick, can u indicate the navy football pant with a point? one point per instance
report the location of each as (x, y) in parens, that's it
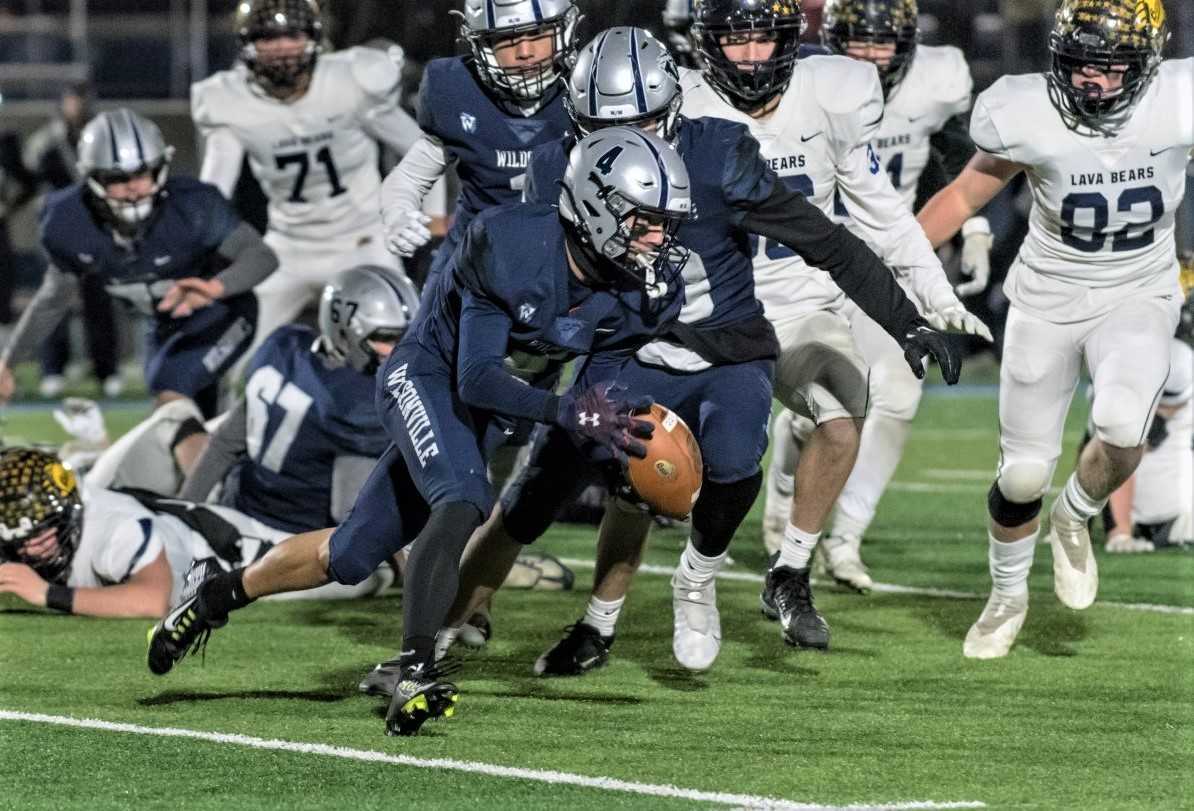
(726, 407)
(191, 354)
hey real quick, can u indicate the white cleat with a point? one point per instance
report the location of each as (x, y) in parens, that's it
(843, 563)
(995, 630)
(777, 506)
(696, 637)
(1075, 572)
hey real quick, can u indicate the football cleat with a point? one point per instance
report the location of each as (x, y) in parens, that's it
(792, 597)
(184, 630)
(1075, 572)
(767, 596)
(843, 562)
(696, 634)
(996, 628)
(582, 649)
(1122, 544)
(418, 697)
(383, 679)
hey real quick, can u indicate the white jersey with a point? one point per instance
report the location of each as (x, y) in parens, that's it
(316, 158)
(817, 140)
(121, 536)
(1102, 220)
(936, 88)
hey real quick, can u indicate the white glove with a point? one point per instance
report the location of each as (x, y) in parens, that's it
(408, 233)
(976, 256)
(83, 420)
(947, 314)
(1121, 543)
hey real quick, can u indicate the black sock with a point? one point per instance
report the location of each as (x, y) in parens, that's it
(720, 511)
(433, 575)
(225, 592)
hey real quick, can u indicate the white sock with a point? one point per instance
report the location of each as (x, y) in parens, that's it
(1076, 503)
(603, 614)
(1010, 564)
(798, 547)
(698, 569)
(879, 452)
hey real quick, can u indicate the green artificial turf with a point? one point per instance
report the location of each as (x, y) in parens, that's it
(1092, 710)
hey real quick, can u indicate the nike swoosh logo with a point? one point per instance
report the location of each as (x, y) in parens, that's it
(806, 138)
(1159, 151)
(604, 331)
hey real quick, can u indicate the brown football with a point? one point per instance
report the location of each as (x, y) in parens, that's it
(669, 479)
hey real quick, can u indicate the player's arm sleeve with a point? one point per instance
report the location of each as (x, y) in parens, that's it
(224, 447)
(223, 156)
(349, 473)
(252, 261)
(952, 146)
(882, 219)
(44, 312)
(408, 183)
(787, 217)
(481, 375)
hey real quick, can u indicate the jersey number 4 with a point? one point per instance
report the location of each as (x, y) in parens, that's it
(303, 161)
(268, 388)
(1131, 237)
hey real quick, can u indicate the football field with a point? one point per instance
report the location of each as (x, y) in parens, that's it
(1092, 710)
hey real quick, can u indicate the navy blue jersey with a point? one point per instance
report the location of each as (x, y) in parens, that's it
(189, 223)
(510, 300)
(719, 276)
(302, 413)
(490, 144)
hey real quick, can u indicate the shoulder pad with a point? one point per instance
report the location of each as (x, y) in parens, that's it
(59, 217)
(439, 78)
(845, 86)
(213, 95)
(379, 73)
(994, 124)
(1179, 74)
(946, 81)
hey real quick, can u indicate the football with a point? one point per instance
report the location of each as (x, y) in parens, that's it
(669, 478)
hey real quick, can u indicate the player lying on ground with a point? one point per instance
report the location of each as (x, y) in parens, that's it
(530, 287)
(714, 368)
(157, 242)
(86, 550)
(1104, 137)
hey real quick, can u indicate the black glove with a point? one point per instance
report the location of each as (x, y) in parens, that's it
(923, 340)
(601, 414)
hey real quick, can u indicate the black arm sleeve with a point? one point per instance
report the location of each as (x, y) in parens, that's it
(224, 448)
(952, 147)
(788, 218)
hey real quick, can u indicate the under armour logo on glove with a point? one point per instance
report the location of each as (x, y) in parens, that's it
(602, 414)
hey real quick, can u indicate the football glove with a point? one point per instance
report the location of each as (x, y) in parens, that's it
(976, 256)
(408, 233)
(83, 420)
(946, 313)
(602, 414)
(922, 340)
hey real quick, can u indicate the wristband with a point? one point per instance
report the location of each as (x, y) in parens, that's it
(60, 598)
(190, 426)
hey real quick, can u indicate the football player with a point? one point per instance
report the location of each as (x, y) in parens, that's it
(80, 549)
(677, 24)
(1103, 137)
(159, 243)
(815, 119)
(309, 123)
(484, 113)
(927, 96)
(530, 288)
(714, 368)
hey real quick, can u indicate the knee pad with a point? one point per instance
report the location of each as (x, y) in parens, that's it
(1119, 416)
(1024, 480)
(1011, 513)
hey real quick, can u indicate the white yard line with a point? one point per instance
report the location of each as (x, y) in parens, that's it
(973, 474)
(471, 767)
(889, 588)
(949, 487)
